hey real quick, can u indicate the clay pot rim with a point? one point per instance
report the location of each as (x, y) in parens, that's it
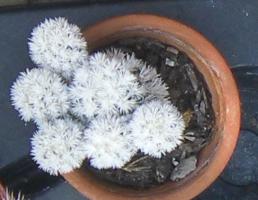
(227, 92)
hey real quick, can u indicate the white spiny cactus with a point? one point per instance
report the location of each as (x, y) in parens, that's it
(59, 46)
(39, 94)
(157, 128)
(58, 147)
(104, 87)
(83, 94)
(154, 86)
(108, 144)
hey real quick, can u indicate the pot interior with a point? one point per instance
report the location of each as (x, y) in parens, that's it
(214, 88)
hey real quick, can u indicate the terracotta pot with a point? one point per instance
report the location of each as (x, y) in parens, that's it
(225, 100)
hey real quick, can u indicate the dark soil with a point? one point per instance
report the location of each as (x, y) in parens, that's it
(188, 91)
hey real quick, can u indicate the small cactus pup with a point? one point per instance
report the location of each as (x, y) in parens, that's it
(123, 110)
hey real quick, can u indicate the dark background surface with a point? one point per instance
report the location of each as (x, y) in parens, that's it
(231, 25)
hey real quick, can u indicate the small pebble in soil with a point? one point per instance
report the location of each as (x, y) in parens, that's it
(174, 162)
(189, 136)
(184, 168)
(170, 62)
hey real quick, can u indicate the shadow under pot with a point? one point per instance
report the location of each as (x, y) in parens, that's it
(224, 101)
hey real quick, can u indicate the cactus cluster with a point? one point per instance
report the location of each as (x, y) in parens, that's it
(104, 106)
